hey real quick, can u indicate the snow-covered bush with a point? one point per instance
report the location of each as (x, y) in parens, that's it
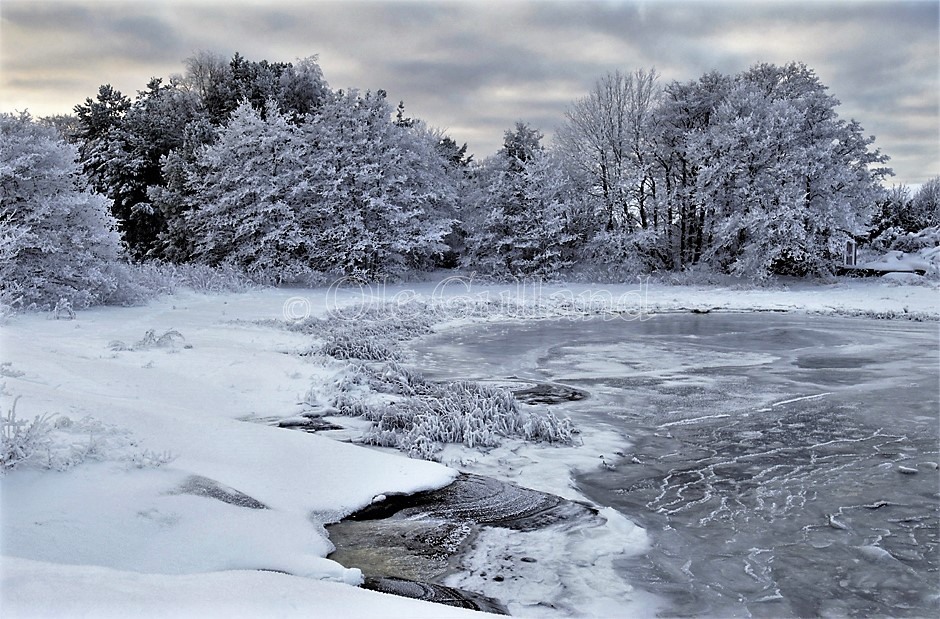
(58, 238)
(391, 377)
(467, 413)
(169, 339)
(912, 242)
(614, 256)
(63, 310)
(148, 459)
(353, 346)
(53, 442)
(7, 370)
(22, 440)
(368, 333)
(148, 279)
(908, 223)
(202, 278)
(409, 412)
(419, 416)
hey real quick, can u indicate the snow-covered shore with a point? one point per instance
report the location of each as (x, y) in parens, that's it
(119, 530)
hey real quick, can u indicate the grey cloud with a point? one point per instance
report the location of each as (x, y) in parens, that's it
(144, 37)
(447, 60)
(78, 37)
(44, 16)
(37, 83)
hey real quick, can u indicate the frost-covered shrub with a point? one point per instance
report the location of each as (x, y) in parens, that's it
(63, 310)
(545, 426)
(391, 377)
(912, 242)
(424, 415)
(203, 278)
(7, 370)
(169, 339)
(885, 314)
(395, 322)
(58, 237)
(148, 459)
(58, 443)
(365, 333)
(349, 406)
(353, 346)
(22, 440)
(908, 223)
(462, 413)
(167, 278)
(700, 275)
(409, 412)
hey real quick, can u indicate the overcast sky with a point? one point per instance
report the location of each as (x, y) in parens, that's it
(474, 68)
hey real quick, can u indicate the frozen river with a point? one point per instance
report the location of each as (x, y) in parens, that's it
(783, 465)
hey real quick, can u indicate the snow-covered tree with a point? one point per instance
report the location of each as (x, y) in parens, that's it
(523, 225)
(176, 197)
(59, 240)
(378, 194)
(907, 222)
(787, 181)
(223, 84)
(751, 177)
(346, 191)
(607, 136)
(125, 144)
(926, 205)
(680, 218)
(892, 217)
(122, 143)
(247, 214)
(716, 168)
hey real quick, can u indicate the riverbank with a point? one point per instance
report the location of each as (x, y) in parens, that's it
(105, 514)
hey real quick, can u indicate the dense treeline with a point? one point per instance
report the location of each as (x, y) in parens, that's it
(262, 167)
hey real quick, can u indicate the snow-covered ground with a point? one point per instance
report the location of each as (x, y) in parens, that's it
(116, 516)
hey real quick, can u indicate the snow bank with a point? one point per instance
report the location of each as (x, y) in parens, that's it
(41, 589)
(460, 299)
(925, 260)
(202, 400)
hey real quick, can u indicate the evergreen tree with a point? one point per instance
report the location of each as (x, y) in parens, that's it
(926, 206)
(379, 193)
(346, 191)
(125, 145)
(177, 197)
(247, 215)
(122, 144)
(222, 85)
(523, 226)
